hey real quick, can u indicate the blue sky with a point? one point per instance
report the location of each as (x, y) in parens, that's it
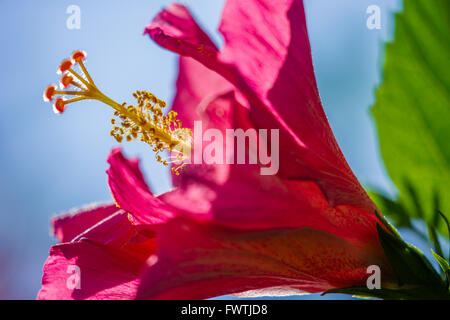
(53, 163)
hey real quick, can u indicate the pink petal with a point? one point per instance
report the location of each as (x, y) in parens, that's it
(267, 43)
(267, 57)
(201, 95)
(107, 259)
(208, 261)
(104, 272)
(131, 193)
(66, 227)
(216, 114)
(196, 87)
(175, 29)
(115, 230)
(249, 201)
(246, 200)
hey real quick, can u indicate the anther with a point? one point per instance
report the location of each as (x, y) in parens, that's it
(145, 121)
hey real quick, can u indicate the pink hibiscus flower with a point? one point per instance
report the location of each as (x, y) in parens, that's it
(226, 229)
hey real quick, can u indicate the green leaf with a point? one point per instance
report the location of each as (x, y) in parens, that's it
(412, 108)
(447, 223)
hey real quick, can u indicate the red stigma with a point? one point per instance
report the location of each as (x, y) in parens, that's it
(49, 93)
(65, 81)
(65, 65)
(78, 55)
(59, 105)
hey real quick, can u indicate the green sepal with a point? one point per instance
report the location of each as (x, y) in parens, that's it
(408, 263)
(442, 262)
(416, 277)
(392, 209)
(387, 225)
(422, 293)
(444, 266)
